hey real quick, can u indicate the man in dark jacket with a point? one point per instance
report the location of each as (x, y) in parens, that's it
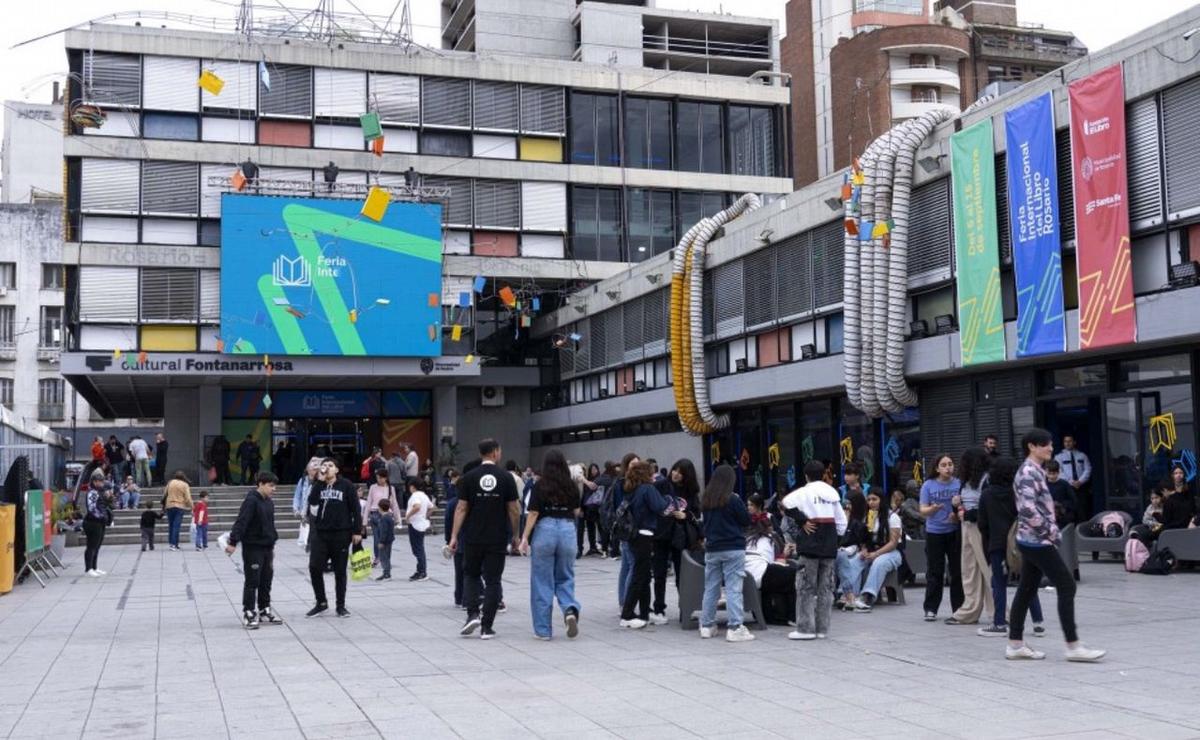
(255, 531)
(161, 448)
(335, 517)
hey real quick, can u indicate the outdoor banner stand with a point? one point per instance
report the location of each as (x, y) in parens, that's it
(39, 558)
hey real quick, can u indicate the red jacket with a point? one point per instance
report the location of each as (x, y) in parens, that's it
(200, 513)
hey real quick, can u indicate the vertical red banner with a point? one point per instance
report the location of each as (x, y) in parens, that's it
(1102, 251)
(47, 508)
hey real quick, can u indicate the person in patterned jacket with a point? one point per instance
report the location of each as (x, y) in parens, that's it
(1037, 539)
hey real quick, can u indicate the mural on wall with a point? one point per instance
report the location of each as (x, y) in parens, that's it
(417, 432)
(235, 430)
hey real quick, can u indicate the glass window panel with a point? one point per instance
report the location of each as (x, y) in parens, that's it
(583, 128)
(1175, 400)
(636, 138)
(607, 149)
(1153, 368)
(447, 143)
(609, 237)
(752, 141)
(687, 137)
(711, 151)
(596, 224)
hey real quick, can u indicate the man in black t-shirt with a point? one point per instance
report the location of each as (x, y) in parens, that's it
(487, 511)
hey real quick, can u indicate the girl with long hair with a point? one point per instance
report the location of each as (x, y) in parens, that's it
(724, 523)
(942, 538)
(880, 553)
(681, 490)
(550, 524)
(976, 573)
(646, 505)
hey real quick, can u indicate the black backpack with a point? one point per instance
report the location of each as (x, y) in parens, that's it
(623, 527)
(1160, 562)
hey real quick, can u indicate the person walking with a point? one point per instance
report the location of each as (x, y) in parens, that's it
(200, 521)
(335, 523)
(219, 454)
(146, 525)
(487, 510)
(976, 573)
(724, 523)
(645, 506)
(255, 530)
(997, 512)
(942, 539)
(383, 534)
(98, 517)
(1037, 539)
(176, 501)
(417, 517)
(554, 507)
(249, 456)
(819, 520)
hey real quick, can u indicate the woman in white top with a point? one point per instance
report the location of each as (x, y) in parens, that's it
(418, 524)
(381, 489)
(776, 581)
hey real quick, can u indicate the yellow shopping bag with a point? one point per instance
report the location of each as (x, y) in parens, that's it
(360, 563)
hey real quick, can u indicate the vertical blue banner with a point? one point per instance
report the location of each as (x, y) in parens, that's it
(1033, 218)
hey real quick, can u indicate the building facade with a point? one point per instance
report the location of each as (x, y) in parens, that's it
(773, 324)
(552, 174)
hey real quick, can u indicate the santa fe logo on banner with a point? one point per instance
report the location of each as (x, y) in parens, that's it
(1033, 210)
(1106, 313)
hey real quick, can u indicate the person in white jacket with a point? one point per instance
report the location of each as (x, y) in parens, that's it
(816, 513)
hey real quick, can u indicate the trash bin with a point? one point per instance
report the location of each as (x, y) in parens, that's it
(8, 545)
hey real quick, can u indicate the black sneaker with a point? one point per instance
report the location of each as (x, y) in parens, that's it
(266, 616)
(422, 576)
(469, 626)
(343, 612)
(414, 577)
(501, 608)
(385, 577)
(316, 610)
(572, 622)
(250, 620)
(487, 633)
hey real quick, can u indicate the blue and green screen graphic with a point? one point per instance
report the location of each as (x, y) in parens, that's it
(310, 276)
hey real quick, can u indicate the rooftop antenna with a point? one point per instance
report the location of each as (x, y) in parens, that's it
(245, 18)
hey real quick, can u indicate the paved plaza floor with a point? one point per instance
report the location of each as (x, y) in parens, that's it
(155, 649)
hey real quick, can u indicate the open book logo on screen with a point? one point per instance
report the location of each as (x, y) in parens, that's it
(291, 273)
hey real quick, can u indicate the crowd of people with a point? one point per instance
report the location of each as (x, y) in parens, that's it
(132, 465)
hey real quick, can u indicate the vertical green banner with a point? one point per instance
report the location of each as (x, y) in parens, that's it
(35, 514)
(976, 245)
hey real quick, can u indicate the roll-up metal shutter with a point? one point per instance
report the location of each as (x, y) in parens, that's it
(171, 187)
(495, 105)
(112, 78)
(1002, 225)
(169, 294)
(210, 295)
(108, 294)
(633, 322)
(761, 282)
(793, 269)
(241, 84)
(599, 340)
(291, 92)
(543, 206)
(728, 299)
(445, 102)
(614, 337)
(1180, 119)
(543, 109)
(171, 84)
(458, 209)
(1144, 172)
(396, 98)
(950, 403)
(497, 204)
(929, 233)
(1066, 185)
(707, 320)
(109, 185)
(583, 352)
(654, 322)
(827, 259)
(339, 93)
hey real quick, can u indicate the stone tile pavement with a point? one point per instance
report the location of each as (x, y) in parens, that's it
(155, 650)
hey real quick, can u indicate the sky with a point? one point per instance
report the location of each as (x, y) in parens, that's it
(30, 69)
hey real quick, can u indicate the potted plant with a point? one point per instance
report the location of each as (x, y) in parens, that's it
(59, 513)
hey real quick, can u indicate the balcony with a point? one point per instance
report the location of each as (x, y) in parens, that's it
(925, 75)
(1028, 51)
(8, 350)
(457, 17)
(49, 352)
(915, 108)
(50, 412)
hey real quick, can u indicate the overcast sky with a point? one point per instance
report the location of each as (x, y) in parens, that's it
(28, 71)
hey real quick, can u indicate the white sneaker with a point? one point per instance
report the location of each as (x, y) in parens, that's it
(659, 619)
(707, 632)
(821, 636)
(99, 572)
(633, 624)
(1022, 653)
(1082, 654)
(741, 634)
(796, 635)
(92, 574)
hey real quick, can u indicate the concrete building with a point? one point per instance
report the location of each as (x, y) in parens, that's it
(32, 152)
(773, 325)
(553, 173)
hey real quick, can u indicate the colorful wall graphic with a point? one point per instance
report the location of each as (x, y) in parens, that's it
(417, 432)
(1106, 312)
(976, 244)
(235, 430)
(1033, 213)
(310, 276)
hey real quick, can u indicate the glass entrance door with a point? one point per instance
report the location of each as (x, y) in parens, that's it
(1080, 417)
(341, 439)
(1123, 435)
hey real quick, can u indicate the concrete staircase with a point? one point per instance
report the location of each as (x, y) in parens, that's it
(223, 505)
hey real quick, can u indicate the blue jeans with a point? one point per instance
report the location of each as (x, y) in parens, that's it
(850, 572)
(1000, 591)
(174, 520)
(623, 576)
(384, 553)
(416, 540)
(130, 499)
(201, 536)
(551, 572)
(730, 566)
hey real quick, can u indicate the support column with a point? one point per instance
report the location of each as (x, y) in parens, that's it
(190, 414)
(445, 414)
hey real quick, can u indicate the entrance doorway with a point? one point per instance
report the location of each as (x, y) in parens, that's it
(1080, 417)
(345, 440)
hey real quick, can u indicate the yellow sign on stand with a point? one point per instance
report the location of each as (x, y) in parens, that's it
(8, 546)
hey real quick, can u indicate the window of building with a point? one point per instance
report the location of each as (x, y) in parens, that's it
(928, 306)
(752, 148)
(694, 206)
(6, 392)
(8, 275)
(446, 143)
(53, 276)
(698, 139)
(8, 326)
(169, 294)
(651, 215)
(908, 7)
(290, 93)
(177, 126)
(648, 133)
(50, 399)
(925, 94)
(52, 319)
(594, 130)
(596, 225)
(995, 73)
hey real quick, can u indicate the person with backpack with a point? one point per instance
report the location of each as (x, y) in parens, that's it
(634, 523)
(593, 505)
(1037, 538)
(819, 520)
(997, 516)
(608, 515)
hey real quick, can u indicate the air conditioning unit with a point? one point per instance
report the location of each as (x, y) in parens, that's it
(491, 395)
(3, 290)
